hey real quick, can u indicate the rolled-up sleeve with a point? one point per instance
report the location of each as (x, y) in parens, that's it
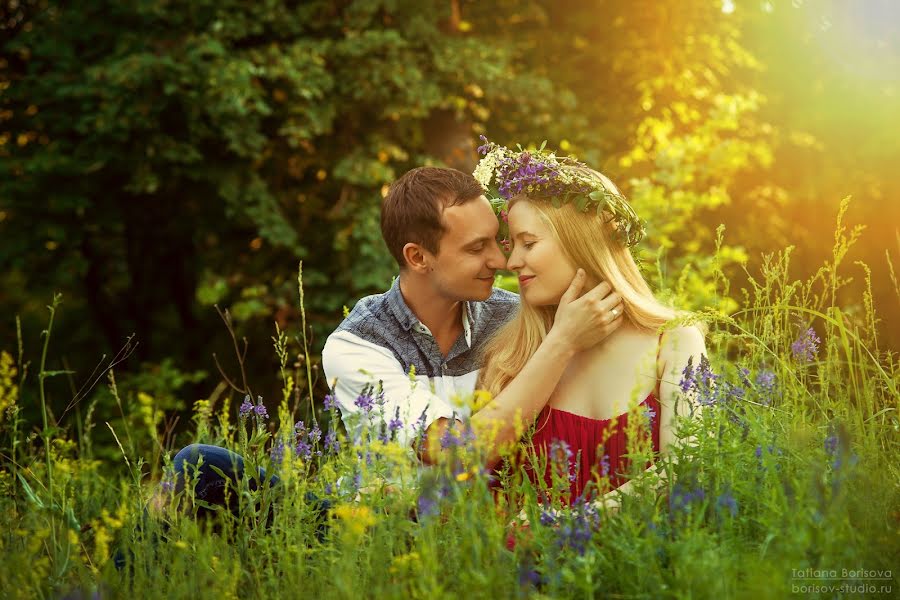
(351, 363)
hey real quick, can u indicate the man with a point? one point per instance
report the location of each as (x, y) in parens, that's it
(420, 341)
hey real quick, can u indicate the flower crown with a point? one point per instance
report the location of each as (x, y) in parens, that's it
(504, 173)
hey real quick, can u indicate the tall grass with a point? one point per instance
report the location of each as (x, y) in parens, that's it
(788, 475)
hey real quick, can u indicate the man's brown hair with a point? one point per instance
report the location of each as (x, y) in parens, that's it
(412, 209)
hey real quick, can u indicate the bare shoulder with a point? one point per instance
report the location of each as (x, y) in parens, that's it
(682, 341)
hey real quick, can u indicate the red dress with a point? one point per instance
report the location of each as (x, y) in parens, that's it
(596, 447)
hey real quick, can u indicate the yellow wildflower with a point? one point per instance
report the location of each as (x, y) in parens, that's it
(354, 519)
(9, 390)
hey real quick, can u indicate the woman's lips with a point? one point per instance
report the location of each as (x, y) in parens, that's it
(525, 280)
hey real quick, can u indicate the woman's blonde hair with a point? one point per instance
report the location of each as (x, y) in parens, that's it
(589, 241)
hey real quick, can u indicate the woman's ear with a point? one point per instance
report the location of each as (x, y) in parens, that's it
(417, 258)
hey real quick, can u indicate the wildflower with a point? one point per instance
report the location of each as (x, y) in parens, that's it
(456, 435)
(687, 376)
(246, 407)
(528, 576)
(681, 499)
(727, 501)
(355, 519)
(261, 410)
(276, 454)
(548, 518)
(701, 381)
(332, 445)
(743, 372)
(426, 506)
(765, 385)
(576, 528)
(430, 496)
(9, 390)
(604, 466)
(168, 483)
(365, 401)
(504, 215)
(561, 457)
(649, 414)
(315, 434)
(806, 346)
(765, 381)
(831, 443)
(303, 449)
(396, 423)
(329, 402)
(420, 427)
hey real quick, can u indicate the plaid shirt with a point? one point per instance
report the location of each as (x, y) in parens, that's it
(381, 339)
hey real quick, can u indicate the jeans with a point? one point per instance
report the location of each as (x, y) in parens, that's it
(211, 486)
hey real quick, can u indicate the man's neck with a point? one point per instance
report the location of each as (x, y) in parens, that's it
(443, 317)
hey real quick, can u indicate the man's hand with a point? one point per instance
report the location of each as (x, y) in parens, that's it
(586, 321)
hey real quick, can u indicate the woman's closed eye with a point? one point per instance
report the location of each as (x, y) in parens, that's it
(527, 245)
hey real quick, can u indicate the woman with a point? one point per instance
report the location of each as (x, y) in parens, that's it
(563, 216)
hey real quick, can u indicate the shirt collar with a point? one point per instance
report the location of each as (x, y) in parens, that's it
(407, 318)
(398, 307)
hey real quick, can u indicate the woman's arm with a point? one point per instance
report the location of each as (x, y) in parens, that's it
(580, 322)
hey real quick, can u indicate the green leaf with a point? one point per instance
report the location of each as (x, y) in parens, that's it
(29, 493)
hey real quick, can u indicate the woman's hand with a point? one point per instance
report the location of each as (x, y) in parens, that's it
(585, 321)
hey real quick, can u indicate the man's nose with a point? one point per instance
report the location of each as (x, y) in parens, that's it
(497, 261)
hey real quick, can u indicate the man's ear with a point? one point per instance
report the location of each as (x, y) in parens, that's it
(417, 258)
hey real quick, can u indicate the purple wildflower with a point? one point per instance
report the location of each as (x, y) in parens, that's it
(561, 458)
(246, 407)
(604, 466)
(168, 482)
(528, 576)
(456, 435)
(365, 401)
(727, 501)
(650, 414)
(426, 506)
(702, 382)
(396, 423)
(430, 496)
(329, 402)
(315, 434)
(261, 410)
(687, 376)
(303, 449)
(576, 528)
(332, 444)
(765, 380)
(276, 454)
(485, 148)
(806, 346)
(548, 518)
(831, 443)
(420, 427)
(681, 499)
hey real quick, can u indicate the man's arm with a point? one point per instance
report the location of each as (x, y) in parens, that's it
(351, 363)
